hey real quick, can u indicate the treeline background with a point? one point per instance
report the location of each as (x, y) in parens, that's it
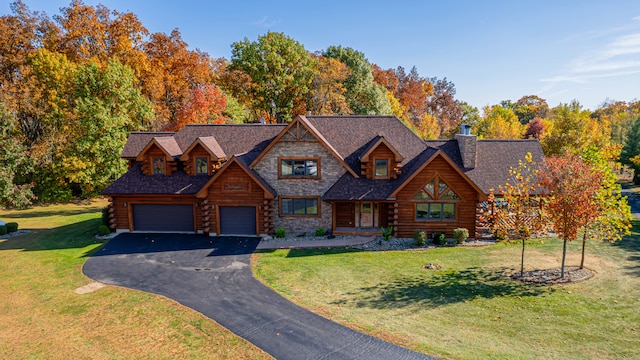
(74, 85)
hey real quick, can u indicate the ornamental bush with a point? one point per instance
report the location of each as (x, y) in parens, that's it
(439, 238)
(320, 232)
(103, 230)
(460, 235)
(3, 229)
(420, 237)
(12, 227)
(281, 232)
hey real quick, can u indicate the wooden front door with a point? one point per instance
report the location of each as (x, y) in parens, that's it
(366, 214)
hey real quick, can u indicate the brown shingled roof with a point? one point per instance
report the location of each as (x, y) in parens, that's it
(137, 141)
(135, 182)
(496, 157)
(351, 136)
(234, 139)
(210, 144)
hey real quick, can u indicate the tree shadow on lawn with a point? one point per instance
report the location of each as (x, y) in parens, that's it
(442, 288)
(631, 245)
(48, 213)
(73, 236)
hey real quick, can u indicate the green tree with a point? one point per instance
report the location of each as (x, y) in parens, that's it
(106, 107)
(470, 114)
(15, 166)
(631, 151)
(281, 72)
(613, 219)
(363, 95)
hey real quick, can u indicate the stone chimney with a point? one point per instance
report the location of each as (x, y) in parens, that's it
(467, 145)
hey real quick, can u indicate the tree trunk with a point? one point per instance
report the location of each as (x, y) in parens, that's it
(522, 260)
(584, 242)
(564, 255)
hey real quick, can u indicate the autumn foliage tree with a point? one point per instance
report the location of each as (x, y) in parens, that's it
(204, 105)
(520, 215)
(573, 187)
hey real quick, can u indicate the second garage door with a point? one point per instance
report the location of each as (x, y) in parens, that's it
(162, 217)
(237, 220)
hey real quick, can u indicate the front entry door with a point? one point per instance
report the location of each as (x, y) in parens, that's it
(366, 214)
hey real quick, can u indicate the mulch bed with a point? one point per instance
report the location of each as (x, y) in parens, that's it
(572, 274)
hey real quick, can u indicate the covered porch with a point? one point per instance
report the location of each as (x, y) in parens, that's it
(362, 218)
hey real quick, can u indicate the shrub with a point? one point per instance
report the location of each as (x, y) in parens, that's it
(281, 232)
(420, 237)
(3, 229)
(500, 234)
(103, 230)
(320, 232)
(12, 227)
(439, 238)
(460, 234)
(105, 216)
(386, 232)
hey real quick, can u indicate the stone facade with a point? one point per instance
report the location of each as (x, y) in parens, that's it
(330, 171)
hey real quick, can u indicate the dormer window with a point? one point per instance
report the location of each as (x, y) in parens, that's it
(382, 168)
(158, 166)
(202, 166)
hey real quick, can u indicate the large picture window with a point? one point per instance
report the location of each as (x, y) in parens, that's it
(290, 168)
(299, 206)
(436, 202)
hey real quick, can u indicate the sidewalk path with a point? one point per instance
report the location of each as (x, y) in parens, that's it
(314, 244)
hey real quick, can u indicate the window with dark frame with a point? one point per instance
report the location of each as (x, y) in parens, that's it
(157, 165)
(436, 202)
(298, 168)
(382, 168)
(299, 206)
(202, 166)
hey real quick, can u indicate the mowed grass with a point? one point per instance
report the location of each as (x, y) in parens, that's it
(41, 316)
(469, 308)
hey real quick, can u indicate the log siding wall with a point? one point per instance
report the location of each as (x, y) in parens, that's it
(465, 208)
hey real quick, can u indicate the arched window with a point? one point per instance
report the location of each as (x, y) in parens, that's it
(436, 201)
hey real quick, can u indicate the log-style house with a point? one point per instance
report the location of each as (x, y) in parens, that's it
(346, 174)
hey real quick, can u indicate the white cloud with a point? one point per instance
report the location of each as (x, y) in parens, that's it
(265, 22)
(637, 18)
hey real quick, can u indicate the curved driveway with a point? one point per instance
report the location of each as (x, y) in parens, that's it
(213, 276)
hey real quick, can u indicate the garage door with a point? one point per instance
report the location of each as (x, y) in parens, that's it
(237, 220)
(161, 217)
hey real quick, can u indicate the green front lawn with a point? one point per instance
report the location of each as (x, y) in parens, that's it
(469, 308)
(42, 317)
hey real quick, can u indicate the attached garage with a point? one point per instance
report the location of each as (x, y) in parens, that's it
(237, 220)
(163, 217)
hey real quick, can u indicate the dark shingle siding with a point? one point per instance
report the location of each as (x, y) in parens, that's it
(496, 157)
(135, 182)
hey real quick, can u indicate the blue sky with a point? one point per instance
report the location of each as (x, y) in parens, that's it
(492, 50)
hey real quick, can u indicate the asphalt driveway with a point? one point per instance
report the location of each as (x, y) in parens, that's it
(213, 276)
